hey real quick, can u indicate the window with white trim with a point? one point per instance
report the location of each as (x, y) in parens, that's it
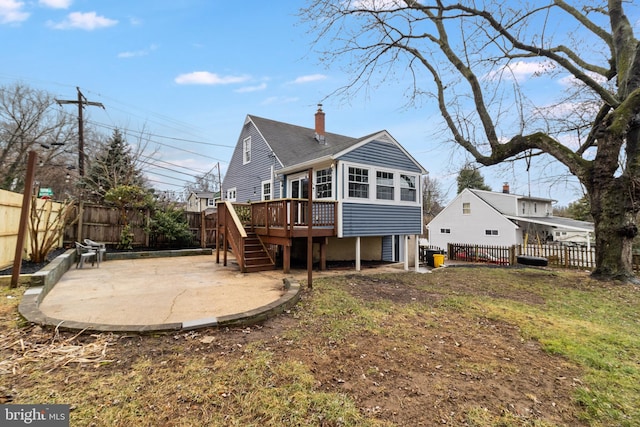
(231, 194)
(211, 202)
(379, 185)
(408, 188)
(466, 208)
(491, 232)
(266, 190)
(324, 181)
(384, 185)
(358, 182)
(445, 231)
(246, 150)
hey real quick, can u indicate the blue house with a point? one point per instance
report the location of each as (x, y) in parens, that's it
(365, 192)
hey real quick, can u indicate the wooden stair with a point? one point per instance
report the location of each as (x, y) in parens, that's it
(256, 257)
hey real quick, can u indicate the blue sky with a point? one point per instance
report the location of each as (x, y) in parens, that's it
(189, 71)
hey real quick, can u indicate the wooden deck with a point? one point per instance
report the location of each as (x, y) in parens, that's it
(276, 222)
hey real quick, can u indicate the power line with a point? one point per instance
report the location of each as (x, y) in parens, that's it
(168, 176)
(185, 127)
(140, 133)
(163, 144)
(153, 159)
(166, 168)
(165, 183)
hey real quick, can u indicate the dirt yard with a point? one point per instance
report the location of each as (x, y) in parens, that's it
(429, 368)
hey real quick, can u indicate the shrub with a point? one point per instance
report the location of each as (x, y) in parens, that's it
(170, 226)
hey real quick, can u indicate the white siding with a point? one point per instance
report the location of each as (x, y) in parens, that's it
(471, 228)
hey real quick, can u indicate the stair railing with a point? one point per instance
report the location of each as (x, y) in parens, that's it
(235, 233)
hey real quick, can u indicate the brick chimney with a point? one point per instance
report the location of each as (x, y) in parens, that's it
(320, 125)
(505, 188)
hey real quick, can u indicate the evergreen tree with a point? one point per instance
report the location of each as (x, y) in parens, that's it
(580, 209)
(114, 166)
(470, 177)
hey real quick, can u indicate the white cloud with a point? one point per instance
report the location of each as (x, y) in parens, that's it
(248, 89)
(56, 4)
(309, 78)
(522, 70)
(11, 11)
(571, 81)
(83, 21)
(207, 78)
(136, 53)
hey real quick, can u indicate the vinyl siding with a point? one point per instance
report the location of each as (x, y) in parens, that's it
(387, 248)
(470, 227)
(382, 154)
(247, 178)
(380, 220)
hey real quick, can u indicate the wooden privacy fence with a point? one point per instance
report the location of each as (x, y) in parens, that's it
(104, 224)
(557, 255)
(10, 208)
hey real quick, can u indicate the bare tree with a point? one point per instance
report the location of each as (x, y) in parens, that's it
(469, 56)
(432, 198)
(207, 182)
(29, 123)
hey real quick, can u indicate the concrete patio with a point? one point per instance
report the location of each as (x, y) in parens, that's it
(151, 294)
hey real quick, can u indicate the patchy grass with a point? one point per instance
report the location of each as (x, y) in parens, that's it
(461, 346)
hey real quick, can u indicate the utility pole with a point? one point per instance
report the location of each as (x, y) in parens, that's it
(81, 101)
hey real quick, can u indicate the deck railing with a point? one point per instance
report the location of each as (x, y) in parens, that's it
(291, 213)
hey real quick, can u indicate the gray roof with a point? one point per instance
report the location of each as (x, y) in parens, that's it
(206, 194)
(482, 194)
(296, 144)
(557, 221)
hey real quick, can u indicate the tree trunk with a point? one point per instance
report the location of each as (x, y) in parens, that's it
(615, 229)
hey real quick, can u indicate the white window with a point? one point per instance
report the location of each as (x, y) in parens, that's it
(231, 194)
(466, 208)
(211, 202)
(324, 180)
(266, 190)
(358, 183)
(246, 150)
(445, 231)
(491, 232)
(408, 188)
(384, 185)
(377, 185)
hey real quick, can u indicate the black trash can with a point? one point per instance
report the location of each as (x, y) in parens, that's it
(429, 256)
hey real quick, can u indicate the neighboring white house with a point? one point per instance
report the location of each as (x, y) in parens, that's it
(200, 201)
(503, 219)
